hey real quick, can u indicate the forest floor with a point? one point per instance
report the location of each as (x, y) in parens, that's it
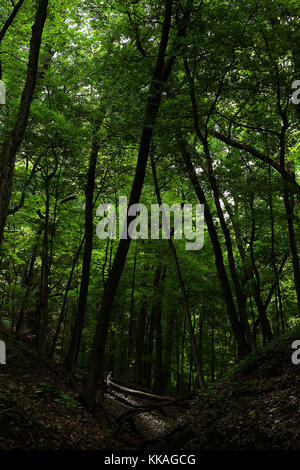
(39, 409)
(257, 407)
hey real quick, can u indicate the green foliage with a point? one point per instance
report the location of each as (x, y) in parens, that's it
(97, 60)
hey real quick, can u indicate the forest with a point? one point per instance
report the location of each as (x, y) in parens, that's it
(115, 338)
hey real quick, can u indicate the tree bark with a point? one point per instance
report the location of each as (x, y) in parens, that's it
(65, 298)
(185, 304)
(157, 314)
(72, 355)
(169, 348)
(160, 76)
(263, 318)
(243, 346)
(289, 209)
(132, 312)
(6, 26)
(15, 137)
(140, 343)
(10, 19)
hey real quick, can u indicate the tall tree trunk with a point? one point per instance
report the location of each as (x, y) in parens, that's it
(293, 245)
(182, 357)
(140, 343)
(154, 333)
(250, 274)
(213, 351)
(177, 340)
(200, 336)
(65, 298)
(263, 318)
(240, 295)
(288, 204)
(169, 349)
(157, 313)
(42, 304)
(15, 137)
(28, 288)
(243, 346)
(10, 19)
(132, 312)
(148, 360)
(274, 260)
(7, 24)
(185, 304)
(72, 355)
(160, 76)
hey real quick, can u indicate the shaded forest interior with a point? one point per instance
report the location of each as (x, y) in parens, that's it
(176, 103)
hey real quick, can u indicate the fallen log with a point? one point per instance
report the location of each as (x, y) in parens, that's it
(147, 409)
(120, 399)
(138, 393)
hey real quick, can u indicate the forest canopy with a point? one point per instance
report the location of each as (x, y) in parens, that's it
(174, 102)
